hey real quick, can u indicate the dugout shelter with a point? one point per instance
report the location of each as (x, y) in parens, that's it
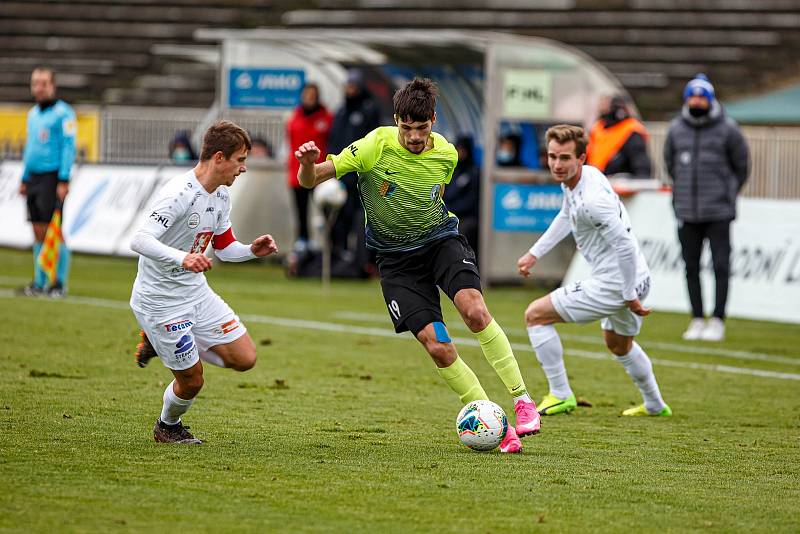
(494, 87)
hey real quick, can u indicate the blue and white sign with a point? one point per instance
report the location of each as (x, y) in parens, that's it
(265, 88)
(525, 207)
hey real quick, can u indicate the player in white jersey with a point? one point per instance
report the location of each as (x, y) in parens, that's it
(183, 321)
(619, 282)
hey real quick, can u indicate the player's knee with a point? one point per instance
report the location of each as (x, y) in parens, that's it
(441, 353)
(619, 345)
(534, 315)
(245, 364)
(477, 318)
(192, 384)
(245, 360)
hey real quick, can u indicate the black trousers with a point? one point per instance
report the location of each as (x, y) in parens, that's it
(691, 236)
(301, 197)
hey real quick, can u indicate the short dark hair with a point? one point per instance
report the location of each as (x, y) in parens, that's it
(416, 101)
(226, 137)
(564, 133)
(48, 70)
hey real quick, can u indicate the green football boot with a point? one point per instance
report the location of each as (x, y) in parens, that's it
(551, 405)
(641, 410)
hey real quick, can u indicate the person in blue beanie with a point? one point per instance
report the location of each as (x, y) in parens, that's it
(708, 159)
(47, 162)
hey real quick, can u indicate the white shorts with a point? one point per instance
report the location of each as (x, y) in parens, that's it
(586, 301)
(178, 336)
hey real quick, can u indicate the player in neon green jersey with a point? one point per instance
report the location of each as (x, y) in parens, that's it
(402, 172)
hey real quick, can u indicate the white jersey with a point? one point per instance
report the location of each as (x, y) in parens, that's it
(184, 217)
(601, 227)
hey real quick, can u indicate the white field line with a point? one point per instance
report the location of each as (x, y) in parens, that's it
(598, 340)
(387, 333)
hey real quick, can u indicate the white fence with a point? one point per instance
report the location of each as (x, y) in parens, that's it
(143, 134)
(775, 153)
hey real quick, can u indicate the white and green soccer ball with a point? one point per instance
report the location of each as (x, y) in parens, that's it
(330, 194)
(481, 425)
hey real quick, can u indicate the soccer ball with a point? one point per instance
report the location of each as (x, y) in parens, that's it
(481, 425)
(330, 194)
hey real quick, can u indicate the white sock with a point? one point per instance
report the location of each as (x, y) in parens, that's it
(524, 397)
(640, 369)
(209, 356)
(174, 406)
(550, 353)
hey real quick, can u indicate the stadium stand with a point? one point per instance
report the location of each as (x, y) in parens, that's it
(123, 52)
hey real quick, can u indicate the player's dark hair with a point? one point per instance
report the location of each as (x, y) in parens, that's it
(416, 101)
(226, 137)
(48, 70)
(564, 133)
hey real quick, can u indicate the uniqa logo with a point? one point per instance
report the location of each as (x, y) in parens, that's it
(289, 82)
(512, 200)
(244, 81)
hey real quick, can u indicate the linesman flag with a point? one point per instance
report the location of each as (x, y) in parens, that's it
(51, 248)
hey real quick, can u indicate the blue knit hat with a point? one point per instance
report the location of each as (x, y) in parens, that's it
(699, 86)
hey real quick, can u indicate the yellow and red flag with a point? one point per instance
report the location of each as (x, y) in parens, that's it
(51, 248)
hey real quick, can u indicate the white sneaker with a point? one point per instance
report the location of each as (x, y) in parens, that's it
(696, 328)
(714, 330)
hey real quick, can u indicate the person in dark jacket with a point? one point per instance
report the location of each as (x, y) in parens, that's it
(618, 141)
(462, 194)
(707, 157)
(180, 149)
(359, 115)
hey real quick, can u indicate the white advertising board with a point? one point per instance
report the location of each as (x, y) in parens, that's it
(765, 258)
(104, 204)
(15, 230)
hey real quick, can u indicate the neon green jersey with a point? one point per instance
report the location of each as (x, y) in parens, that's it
(401, 191)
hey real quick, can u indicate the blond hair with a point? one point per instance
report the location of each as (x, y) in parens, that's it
(564, 133)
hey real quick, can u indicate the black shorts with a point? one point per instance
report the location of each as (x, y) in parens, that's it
(41, 196)
(411, 280)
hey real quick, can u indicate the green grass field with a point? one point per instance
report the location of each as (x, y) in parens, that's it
(348, 428)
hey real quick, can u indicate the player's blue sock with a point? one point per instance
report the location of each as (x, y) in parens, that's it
(62, 271)
(39, 278)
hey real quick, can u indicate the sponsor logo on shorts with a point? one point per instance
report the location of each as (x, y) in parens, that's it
(178, 326)
(230, 326)
(184, 345)
(194, 220)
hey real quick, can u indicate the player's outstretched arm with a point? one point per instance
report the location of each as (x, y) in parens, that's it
(310, 172)
(526, 263)
(227, 248)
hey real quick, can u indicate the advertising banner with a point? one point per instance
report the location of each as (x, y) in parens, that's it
(15, 230)
(525, 207)
(265, 88)
(527, 94)
(104, 205)
(765, 258)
